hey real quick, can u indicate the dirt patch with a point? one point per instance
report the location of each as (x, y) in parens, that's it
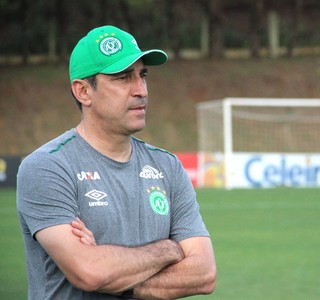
(36, 104)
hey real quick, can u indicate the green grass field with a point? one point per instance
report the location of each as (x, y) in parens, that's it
(267, 244)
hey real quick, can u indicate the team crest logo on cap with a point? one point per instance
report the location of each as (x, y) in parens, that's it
(110, 45)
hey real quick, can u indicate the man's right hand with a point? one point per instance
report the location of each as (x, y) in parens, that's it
(80, 230)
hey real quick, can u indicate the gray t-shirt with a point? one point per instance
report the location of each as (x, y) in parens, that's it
(146, 199)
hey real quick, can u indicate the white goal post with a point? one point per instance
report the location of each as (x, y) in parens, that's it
(234, 128)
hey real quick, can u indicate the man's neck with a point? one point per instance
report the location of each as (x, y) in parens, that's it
(116, 147)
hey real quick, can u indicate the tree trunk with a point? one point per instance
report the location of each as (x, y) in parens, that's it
(52, 31)
(25, 17)
(127, 19)
(172, 27)
(296, 11)
(205, 42)
(213, 10)
(274, 33)
(256, 14)
(216, 29)
(62, 31)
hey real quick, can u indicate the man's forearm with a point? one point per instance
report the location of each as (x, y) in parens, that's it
(175, 281)
(195, 274)
(132, 266)
(105, 268)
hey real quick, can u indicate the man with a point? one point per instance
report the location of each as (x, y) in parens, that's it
(143, 236)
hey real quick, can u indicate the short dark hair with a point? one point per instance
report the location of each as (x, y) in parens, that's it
(92, 80)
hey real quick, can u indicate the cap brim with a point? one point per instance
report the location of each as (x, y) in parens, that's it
(152, 57)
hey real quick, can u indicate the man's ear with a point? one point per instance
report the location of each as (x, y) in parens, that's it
(82, 91)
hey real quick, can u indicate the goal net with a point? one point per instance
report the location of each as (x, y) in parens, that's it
(234, 126)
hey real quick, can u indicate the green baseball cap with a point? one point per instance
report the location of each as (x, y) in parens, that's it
(109, 50)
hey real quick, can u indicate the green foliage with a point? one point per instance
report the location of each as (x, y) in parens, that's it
(29, 27)
(266, 244)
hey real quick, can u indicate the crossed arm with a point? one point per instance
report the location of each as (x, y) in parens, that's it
(160, 270)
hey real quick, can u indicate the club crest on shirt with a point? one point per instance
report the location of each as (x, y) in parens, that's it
(158, 201)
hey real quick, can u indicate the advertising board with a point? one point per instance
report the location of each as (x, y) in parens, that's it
(273, 170)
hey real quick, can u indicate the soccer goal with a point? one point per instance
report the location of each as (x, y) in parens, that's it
(259, 142)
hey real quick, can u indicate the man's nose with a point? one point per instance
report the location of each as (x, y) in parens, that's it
(140, 87)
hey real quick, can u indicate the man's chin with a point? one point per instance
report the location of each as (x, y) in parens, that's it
(135, 130)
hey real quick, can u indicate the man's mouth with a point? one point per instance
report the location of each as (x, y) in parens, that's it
(138, 108)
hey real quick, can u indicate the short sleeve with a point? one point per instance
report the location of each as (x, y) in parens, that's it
(187, 221)
(46, 195)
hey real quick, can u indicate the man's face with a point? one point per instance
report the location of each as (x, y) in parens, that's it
(119, 101)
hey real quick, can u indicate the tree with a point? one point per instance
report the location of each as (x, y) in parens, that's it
(256, 15)
(25, 17)
(172, 13)
(213, 10)
(52, 30)
(295, 20)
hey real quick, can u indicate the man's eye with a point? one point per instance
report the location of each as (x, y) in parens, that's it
(123, 77)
